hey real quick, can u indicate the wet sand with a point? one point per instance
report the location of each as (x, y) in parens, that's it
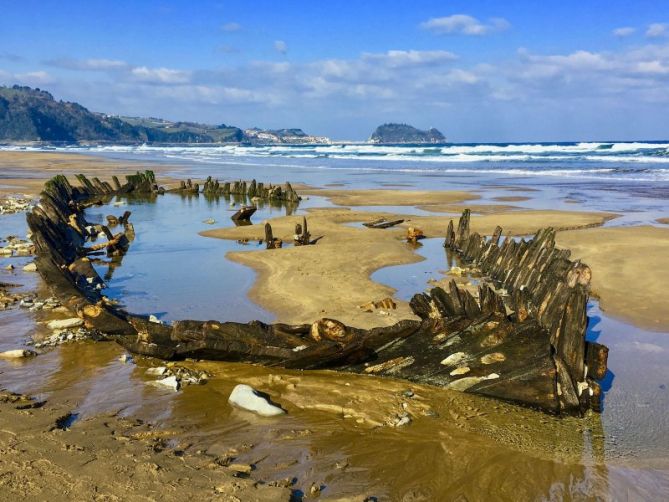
(26, 172)
(392, 197)
(332, 278)
(511, 198)
(106, 457)
(630, 270)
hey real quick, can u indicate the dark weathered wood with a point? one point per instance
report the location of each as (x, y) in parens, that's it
(244, 213)
(271, 242)
(545, 285)
(302, 236)
(382, 223)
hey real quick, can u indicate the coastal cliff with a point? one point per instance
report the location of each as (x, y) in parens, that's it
(404, 133)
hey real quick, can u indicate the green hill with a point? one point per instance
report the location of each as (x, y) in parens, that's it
(34, 115)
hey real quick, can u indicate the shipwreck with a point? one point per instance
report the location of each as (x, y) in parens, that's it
(521, 337)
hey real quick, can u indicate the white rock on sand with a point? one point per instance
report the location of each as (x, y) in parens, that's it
(30, 267)
(247, 398)
(17, 354)
(171, 381)
(74, 322)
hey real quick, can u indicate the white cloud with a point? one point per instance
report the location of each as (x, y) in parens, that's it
(653, 67)
(656, 30)
(464, 24)
(94, 64)
(34, 78)
(624, 31)
(215, 95)
(280, 46)
(397, 58)
(230, 27)
(160, 75)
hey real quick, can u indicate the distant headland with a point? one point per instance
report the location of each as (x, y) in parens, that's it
(404, 133)
(33, 115)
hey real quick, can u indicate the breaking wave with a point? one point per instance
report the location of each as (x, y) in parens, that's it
(646, 161)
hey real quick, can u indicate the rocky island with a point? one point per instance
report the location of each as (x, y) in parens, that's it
(404, 133)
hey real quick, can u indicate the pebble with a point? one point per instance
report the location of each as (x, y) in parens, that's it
(495, 357)
(402, 420)
(241, 468)
(158, 370)
(454, 359)
(171, 382)
(125, 358)
(30, 267)
(64, 336)
(9, 267)
(247, 398)
(73, 322)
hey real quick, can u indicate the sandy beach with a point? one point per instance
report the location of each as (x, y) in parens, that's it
(25, 172)
(611, 253)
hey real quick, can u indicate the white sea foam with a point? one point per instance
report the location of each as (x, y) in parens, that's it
(629, 161)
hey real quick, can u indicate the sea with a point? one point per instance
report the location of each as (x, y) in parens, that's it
(607, 162)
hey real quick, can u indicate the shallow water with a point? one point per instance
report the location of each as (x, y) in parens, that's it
(174, 273)
(465, 446)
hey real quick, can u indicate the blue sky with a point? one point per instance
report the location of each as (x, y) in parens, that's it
(478, 71)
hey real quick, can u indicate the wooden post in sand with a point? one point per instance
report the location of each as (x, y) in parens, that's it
(271, 242)
(302, 236)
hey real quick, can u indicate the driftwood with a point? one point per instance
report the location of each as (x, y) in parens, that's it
(382, 223)
(244, 213)
(537, 356)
